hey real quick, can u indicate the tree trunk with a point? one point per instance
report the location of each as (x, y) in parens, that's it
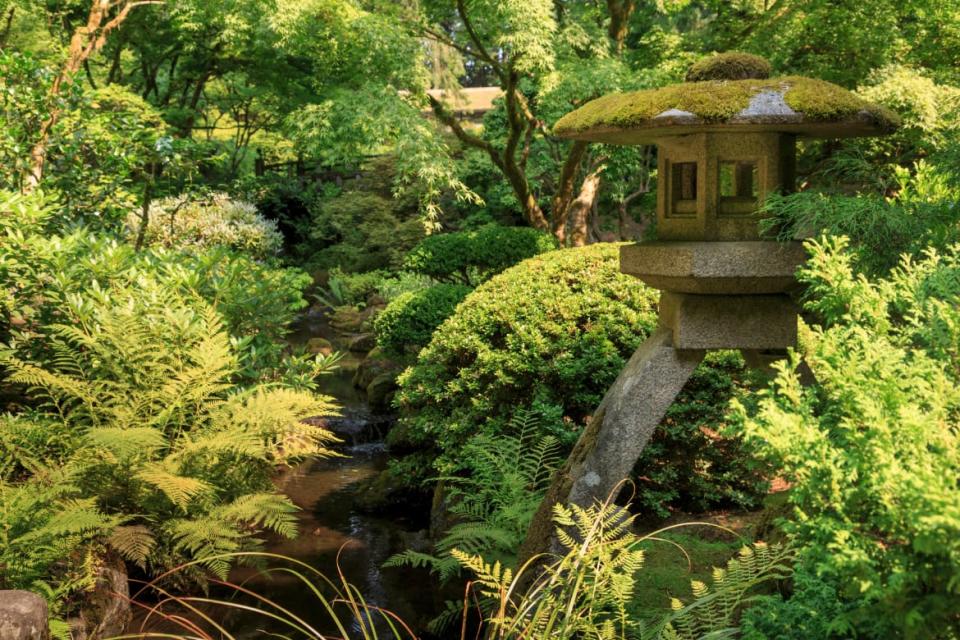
(581, 208)
(620, 12)
(564, 194)
(85, 42)
(7, 26)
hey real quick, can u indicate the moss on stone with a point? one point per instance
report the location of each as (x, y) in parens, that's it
(717, 101)
(733, 65)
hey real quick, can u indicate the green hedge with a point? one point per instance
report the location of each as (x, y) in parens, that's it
(552, 333)
(411, 318)
(470, 257)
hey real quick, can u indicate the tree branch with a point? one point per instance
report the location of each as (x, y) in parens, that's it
(477, 42)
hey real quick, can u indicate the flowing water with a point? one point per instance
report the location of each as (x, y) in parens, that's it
(335, 535)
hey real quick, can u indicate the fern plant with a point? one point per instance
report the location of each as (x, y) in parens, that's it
(139, 389)
(713, 613)
(48, 536)
(586, 592)
(493, 504)
(583, 594)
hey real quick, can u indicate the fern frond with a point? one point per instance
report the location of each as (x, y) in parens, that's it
(270, 510)
(714, 610)
(134, 543)
(124, 443)
(179, 489)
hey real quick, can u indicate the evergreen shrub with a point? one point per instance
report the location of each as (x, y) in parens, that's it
(411, 318)
(873, 450)
(552, 333)
(198, 222)
(470, 257)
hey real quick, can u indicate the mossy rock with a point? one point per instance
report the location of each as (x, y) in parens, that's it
(319, 345)
(789, 104)
(733, 65)
(375, 364)
(363, 343)
(381, 390)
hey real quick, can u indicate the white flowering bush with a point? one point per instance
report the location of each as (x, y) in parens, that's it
(199, 222)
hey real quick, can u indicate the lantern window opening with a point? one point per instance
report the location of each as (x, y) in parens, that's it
(684, 187)
(738, 187)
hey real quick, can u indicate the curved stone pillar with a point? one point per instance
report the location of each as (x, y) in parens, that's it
(612, 442)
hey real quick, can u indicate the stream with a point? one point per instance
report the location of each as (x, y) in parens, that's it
(331, 523)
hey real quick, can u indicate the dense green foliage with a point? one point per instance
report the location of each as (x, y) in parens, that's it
(471, 257)
(360, 227)
(147, 391)
(140, 428)
(491, 507)
(139, 392)
(872, 451)
(552, 333)
(410, 319)
(42, 273)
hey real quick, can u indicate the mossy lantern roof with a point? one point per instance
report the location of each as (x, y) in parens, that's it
(738, 97)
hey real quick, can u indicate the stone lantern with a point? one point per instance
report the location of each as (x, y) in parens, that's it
(725, 139)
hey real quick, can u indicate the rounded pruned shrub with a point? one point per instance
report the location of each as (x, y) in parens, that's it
(200, 222)
(411, 318)
(551, 334)
(470, 257)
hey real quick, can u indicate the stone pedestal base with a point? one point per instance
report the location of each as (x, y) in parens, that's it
(729, 322)
(762, 327)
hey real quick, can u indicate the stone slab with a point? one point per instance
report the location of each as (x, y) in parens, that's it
(729, 322)
(23, 616)
(715, 268)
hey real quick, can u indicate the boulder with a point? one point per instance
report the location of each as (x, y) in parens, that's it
(23, 616)
(373, 365)
(381, 390)
(106, 611)
(319, 345)
(347, 319)
(363, 343)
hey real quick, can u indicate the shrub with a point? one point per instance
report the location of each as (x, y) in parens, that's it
(872, 450)
(923, 214)
(359, 231)
(411, 318)
(552, 333)
(402, 282)
(470, 257)
(811, 611)
(40, 273)
(199, 222)
(353, 289)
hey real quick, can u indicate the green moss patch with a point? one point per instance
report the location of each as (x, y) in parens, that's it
(718, 101)
(733, 65)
